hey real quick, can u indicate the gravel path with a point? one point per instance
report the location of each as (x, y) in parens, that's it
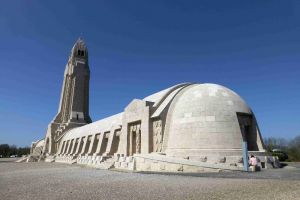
(62, 181)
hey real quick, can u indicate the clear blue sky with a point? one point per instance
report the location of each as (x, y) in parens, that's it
(139, 47)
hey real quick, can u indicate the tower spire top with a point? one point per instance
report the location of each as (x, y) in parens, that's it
(80, 42)
(79, 49)
(80, 39)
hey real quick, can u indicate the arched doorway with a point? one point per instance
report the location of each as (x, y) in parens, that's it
(248, 130)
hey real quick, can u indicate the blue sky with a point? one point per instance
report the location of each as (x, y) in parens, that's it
(139, 47)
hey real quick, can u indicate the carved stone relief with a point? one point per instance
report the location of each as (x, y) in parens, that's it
(157, 136)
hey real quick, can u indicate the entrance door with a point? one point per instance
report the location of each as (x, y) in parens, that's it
(248, 131)
(135, 140)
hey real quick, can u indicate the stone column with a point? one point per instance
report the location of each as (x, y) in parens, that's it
(91, 144)
(78, 146)
(66, 147)
(123, 145)
(63, 149)
(138, 139)
(101, 137)
(84, 145)
(70, 147)
(131, 129)
(74, 143)
(145, 132)
(62, 146)
(111, 138)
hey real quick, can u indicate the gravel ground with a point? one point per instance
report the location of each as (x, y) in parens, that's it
(62, 181)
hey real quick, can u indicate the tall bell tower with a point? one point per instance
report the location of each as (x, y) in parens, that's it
(73, 108)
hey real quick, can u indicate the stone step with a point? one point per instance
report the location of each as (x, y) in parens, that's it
(65, 159)
(107, 164)
(124, 162)
(49, 160)
(23, 159)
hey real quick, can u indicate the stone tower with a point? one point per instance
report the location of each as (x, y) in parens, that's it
(73, 108)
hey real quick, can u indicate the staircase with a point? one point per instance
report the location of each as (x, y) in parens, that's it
(37, 151)
(99, 162)
(89, 160)
(108, 163)
(32, 158)
(50, 159)
(66, 159)
(23, 159)
(124, 162)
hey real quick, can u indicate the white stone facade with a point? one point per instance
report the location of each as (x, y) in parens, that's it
(187, 127)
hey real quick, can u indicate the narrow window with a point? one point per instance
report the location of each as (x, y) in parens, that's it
(79, 52)
(82, 53)
(77, 116)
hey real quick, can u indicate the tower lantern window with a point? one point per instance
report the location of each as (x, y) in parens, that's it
(80, 53)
